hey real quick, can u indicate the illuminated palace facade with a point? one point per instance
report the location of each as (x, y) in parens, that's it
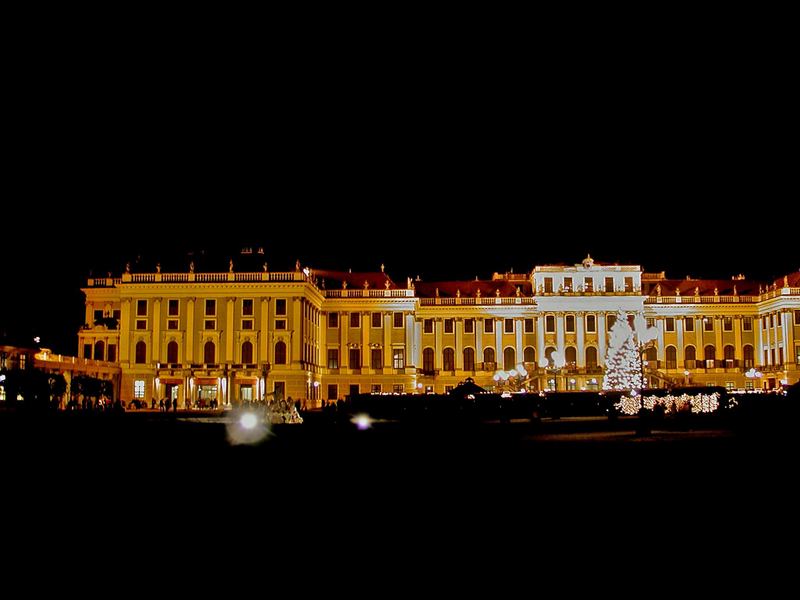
(229, 336)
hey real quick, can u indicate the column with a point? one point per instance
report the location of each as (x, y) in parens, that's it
(478, 341)
(789, 354)
(366, 349)
(188, 351)
(720, 347)
(230, 310)
(437, 344)
(459, 344)
(387, 340)
(775, 331)
(580, 320)
(409, 333)
(124, 331)
(157, 330)
(759, 349)
(344, 342)
(679, 354)
(737, 335)
(540, 358)
(498, 343)
(768, 344)
(699, 334)
(560, 333)
(417, 356)
(297, 332)
(89, 314)
(660, 352)
(519, 326)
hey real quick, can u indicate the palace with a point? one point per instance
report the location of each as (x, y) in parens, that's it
(221, 337)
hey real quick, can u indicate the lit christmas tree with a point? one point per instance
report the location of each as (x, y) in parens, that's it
(623, 362)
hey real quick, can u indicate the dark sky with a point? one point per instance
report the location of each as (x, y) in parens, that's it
(452, 168)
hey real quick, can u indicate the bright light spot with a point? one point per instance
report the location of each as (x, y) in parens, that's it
(37, 339)
(362, 421)
(307, 271)
(2, 377)
(419, 386)
(505, 395)
(248, 420)
(316, 384)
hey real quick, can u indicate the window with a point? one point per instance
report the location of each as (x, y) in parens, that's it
(397, 388)
(748, 356)
(333, 391)
(748, 385)
(210, 324)
(569, 322)
(671, 356)
(138, 388)
(141, 353)
(729, 353)
(651, 322)
(710, 355)
(448, 325)
(397, 320)
(730, 386)
(333, 358)
(355, 358)
(247, 307)
(280, 353)
(333, 320)
(591, 357)
(669, 324)
(211, 308)
(488, 356)
(280, 323)
(172, 323)
(117, 315)
(509, 359)
(778, 319)
(629, 284)
(427, 360)
(571, 356)
(690, 354)
(376, 320)
(209, 353)
(141, 324)
(780, 356)
(528, 325)
(172, 352)
(247, 352)
(448, 389)
(99, 350)
(588, 284)
(688, 323)
(449, 359)
(399, 358)
(548, 285)
(469, 359)
(765, 322)
(529, 355)
(488, 326)
(427, 326)
(98, 314)
(727, 324)
(591, 324)
(247, 323)
(246, 393)
(112, 353)
(355, 320)
(469, 325)
(567, 284)
(796, 317)
(375, 388)
(550, 324)
(280, 306)
(609, 284)
(508, 325)
(610, 320)
(173, 308)
(141, 308)
(708, 324)
(376, 358)
(796, 353)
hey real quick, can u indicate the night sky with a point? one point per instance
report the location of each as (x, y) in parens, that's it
(443, 172)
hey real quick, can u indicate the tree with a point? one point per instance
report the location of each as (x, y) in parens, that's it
(623, 362)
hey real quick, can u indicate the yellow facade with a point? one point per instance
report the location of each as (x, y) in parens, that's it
(314, 336)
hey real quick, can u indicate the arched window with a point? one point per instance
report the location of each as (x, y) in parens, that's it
(529, 355)
(729, 352)
(427, 360)
(548, 355)
(280, 353)
(571, 356)
(672, 357)
(141, 352)
(469, 359)
(99, 350)
(488, 355)
(710, 353)
(690, 355)
(747, 354)
(172, 352)
(651, 354)
(509, 359)
(449, 359)
(247, 353)
(591, 357)
(209, 353)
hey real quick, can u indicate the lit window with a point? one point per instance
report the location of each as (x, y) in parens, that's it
(333, 358)
(548, 285)
(399, 358)
(138, 388)
(397, 388)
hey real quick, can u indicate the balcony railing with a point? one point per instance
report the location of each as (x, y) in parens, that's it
(278, 276)
(357, 293)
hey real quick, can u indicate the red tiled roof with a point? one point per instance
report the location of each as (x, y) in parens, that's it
(793, 279)
(333, 279)
(705, 287)
(469, 289)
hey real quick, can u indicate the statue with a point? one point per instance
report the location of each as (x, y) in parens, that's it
(497, 293)
(658, 289)
(735, 293)
(697, 291)
(265, 267)
(382, 267)
(127, 267)
(323, 284)
(458, 293)
(297, 265)
(716, 291)
(386, 284)
(158, 267)
(677, 291)
(785, 281)
(366, 284)
(408, 283)
(437, 292)
(344, 284)
(230, 266)
(517, 291)
(191, 267)
(478, 294)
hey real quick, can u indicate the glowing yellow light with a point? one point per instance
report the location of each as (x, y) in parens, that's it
(248, 420)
